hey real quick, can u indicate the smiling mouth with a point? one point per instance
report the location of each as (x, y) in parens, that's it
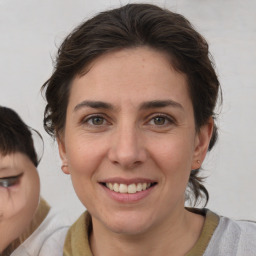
(128, 188)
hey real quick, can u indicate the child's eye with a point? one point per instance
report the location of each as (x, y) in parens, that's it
(7, 182)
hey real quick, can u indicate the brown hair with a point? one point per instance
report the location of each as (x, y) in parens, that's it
(136, 25)
(16, 136)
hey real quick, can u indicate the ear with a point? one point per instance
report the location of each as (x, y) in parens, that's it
(202, 141)
(63, 155)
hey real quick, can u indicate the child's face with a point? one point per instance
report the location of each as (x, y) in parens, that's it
(19, 196)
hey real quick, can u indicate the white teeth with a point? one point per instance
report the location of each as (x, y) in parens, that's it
(116, 187)
(110, 186)
(130, 189)
(139, 187)
(123, 188)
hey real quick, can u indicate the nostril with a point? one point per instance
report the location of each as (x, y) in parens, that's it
(137, 163)
(127, 155)
(128, 165)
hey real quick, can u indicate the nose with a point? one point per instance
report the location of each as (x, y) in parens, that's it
(127, 148)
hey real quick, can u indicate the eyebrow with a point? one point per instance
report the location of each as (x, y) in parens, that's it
(160, 104)
(143, 106)
(93, 104)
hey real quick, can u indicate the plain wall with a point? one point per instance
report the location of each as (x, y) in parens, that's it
(30, 33)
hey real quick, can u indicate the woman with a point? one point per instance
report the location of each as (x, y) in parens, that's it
(26, 228)
(131, 103)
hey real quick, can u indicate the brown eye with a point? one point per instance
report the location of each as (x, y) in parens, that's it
(159, 120)
(97, 120)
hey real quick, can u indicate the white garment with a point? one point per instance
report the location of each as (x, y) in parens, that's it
(48, 239)
(233, 238)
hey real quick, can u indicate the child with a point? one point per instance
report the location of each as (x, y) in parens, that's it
(27, 225)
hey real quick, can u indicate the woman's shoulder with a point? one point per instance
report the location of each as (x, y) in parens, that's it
(247, 238)
(242, 229)
(247, 226)
(233, 237)
(77, 239)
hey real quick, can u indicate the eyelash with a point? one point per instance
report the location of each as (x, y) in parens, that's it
(86, 121)
(166, 118)
(10, 181)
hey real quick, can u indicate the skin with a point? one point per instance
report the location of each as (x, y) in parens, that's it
(18, 202)
(127, 139)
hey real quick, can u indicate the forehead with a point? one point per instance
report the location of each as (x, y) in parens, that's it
(141, 74)
(13, 162)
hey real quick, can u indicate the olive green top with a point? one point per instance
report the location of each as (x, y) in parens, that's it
(77, 239)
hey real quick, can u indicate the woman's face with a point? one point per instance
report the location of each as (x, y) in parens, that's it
(19, 195)
(130, 140)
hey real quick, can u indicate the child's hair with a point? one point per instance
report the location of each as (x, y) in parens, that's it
(16, 136)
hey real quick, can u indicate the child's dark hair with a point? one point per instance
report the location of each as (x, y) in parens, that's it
(16, 136)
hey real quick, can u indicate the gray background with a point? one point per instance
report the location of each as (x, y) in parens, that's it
(30, 33)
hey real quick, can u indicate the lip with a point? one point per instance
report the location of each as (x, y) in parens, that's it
(126, 197)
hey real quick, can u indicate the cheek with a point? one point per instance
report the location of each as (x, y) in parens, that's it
(84, 160)
(29, 194)
(85, 154)
(174, 159)
(33, 192)
(14, 200)
(174, 152)
(20, 204)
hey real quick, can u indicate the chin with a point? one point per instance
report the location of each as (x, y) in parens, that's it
(128, 224)
(127, 229)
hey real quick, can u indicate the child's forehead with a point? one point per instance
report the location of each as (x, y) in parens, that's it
(13, 161)
(8, 166)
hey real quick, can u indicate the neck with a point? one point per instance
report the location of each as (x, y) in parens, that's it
(175, 236)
